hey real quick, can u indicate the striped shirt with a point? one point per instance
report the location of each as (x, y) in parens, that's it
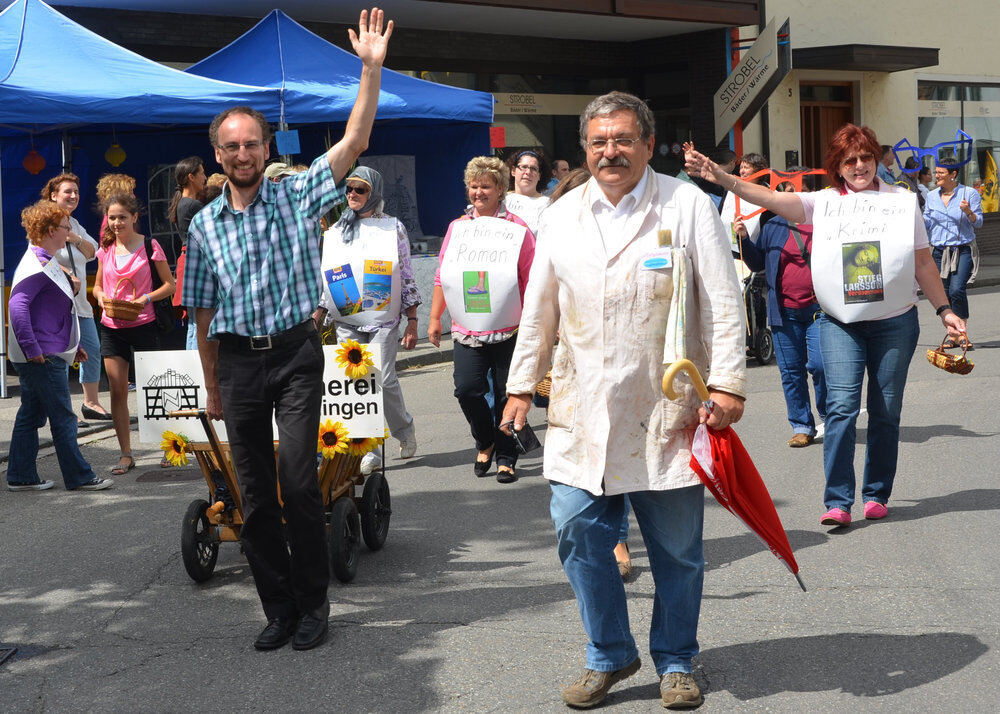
(257, 266)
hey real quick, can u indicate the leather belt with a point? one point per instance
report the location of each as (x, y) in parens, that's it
(260, 343)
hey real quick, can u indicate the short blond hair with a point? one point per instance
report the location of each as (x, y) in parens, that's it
(487, 166)
(110, 184)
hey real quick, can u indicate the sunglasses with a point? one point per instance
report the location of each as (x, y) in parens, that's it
(360, 190)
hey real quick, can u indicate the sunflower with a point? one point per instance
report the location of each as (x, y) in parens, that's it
(333, 439)
(354, 358)
(360, 447)
(175, 447)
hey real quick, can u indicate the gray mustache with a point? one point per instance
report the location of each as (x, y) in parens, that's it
(617, 161)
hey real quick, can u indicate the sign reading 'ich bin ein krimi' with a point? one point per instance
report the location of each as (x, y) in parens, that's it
(173, 380)
(751, 82)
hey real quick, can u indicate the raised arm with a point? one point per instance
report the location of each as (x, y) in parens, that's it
(785, 204)
(370, 45)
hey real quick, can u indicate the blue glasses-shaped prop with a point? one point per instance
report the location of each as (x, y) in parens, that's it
(947, 154)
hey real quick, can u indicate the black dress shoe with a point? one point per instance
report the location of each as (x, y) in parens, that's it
(506, 476)
(93, 414)
(482, 468)
(277, 633)
(312, 628)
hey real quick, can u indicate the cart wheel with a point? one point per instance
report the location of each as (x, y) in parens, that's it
(198, 550)
(375, 511)
(344, 539)
(763, 347)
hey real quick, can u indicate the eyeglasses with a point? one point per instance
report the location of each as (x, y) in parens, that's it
(527, 169)
(360, 190)
(66, 227)
(775, 180)
(851, 160)
(947, 154)
(598, 145)
(234, 148)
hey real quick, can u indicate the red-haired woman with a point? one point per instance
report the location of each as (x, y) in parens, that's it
(869, 245)
(123, 256)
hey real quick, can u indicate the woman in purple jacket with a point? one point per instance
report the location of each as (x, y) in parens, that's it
(43, 340)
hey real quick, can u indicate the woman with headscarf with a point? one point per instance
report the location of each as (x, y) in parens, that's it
(368, 285)
(43, 339)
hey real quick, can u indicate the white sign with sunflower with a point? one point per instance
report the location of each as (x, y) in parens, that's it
(172, 380)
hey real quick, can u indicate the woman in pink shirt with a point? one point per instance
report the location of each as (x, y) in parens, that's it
(483, 272)
(123, 260)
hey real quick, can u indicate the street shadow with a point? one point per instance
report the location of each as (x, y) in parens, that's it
(877, 665)
(976, 499)
(922, 434)
(866, 665)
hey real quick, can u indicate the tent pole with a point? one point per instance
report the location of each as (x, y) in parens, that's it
(283, 126)
(3, 301)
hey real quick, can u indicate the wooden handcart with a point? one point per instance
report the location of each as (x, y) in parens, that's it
(219, 520)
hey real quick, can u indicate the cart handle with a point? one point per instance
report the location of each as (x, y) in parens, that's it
(684, 365)
(183, 413)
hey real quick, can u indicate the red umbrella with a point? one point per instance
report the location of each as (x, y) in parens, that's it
(725, 467)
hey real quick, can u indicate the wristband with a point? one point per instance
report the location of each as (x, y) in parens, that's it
(148, 299)
(411, 319)
(941, 309)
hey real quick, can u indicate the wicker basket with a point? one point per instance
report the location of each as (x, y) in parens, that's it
(545, 386)
(950, 363)
(118, 309)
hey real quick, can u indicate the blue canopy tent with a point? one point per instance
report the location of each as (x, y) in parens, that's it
(56, 75)
(441, 126)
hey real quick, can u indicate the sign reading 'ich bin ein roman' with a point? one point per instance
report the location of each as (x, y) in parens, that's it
(751, 82)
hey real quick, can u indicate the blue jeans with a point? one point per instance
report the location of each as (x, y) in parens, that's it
(796, 345)
(954, 284)
(191, 341)
(883, 349)
(45, 395)
(623, 531)
(587, 528)
(90, 371)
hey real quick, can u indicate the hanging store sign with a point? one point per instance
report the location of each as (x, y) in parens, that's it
(540, 104)
(751, 82)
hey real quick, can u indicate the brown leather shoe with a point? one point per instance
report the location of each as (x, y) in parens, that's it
(678, 690)
(624, 561)
(592, 686)
(800, 440)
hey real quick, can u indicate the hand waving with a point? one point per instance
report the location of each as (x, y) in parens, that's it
(369, 42)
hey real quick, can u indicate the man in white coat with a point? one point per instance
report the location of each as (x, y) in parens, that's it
(599, 278)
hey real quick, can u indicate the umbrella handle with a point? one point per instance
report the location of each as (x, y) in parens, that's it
(687, 366)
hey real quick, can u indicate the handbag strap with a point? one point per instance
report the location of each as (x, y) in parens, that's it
(797, 235)
(153, 272)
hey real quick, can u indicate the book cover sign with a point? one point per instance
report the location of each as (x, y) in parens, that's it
(344, 289)
(376, 290)
(863, 280)
(476, 289)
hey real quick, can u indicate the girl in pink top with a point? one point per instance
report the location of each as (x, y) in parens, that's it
(123, 255)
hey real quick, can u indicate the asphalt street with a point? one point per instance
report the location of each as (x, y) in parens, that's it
(467, 608)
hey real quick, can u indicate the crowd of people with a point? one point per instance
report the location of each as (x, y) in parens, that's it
(521, 305)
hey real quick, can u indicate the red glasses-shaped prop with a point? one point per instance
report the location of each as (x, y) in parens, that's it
(775, 179)
(723, 465)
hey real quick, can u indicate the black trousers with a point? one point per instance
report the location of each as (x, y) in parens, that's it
(471, 385)
(288, 560)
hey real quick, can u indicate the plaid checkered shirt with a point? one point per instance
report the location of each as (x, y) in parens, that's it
(258, 267)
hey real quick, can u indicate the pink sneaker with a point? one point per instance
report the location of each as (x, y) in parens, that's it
(836, 517)
(875, 511)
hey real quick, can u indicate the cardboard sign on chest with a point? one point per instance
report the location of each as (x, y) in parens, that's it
(362, 277)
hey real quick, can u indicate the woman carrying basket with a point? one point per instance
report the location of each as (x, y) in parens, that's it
(124, 290)
(869, 253)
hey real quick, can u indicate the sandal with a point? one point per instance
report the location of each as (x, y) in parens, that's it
(120, 469)
(965, 343)
(949, 343)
